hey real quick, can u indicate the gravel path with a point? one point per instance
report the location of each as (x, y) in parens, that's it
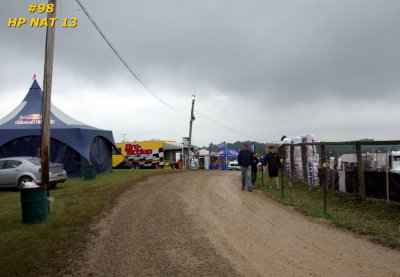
(203, 224)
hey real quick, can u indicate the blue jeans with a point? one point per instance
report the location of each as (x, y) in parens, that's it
(246, 176)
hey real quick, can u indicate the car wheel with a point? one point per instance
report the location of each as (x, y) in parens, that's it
(23, 180)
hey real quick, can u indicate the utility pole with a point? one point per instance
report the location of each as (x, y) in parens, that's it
(46, 100)
(190, 130)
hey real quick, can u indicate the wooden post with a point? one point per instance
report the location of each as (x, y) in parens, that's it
(304, 162)
(323, 164)
(360, 171)
(387, 177)
(333, 180)
(292, 161)
(282, 186)
(323, 153)
(46, 100)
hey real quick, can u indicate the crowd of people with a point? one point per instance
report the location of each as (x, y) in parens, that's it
(249, 161)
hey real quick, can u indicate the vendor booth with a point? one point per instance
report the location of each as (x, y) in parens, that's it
(227, 155)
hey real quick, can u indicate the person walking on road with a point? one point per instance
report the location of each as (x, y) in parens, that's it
(245, 160)
(254, 168)
(273, 163)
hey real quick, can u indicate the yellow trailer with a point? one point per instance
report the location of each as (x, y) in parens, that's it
(146, 154)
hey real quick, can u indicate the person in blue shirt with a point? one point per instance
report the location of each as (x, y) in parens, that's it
(245, 160)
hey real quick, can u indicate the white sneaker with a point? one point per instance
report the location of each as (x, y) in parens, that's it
(278, 187)
(270, 186)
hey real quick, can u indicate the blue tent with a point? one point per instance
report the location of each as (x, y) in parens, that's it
(231, 153)
(72, 143)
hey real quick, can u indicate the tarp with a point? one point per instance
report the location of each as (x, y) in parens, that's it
(395, 161)
(375, 182)
(173, 146)
(73, 143)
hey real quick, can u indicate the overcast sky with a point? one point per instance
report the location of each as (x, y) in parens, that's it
(262, 68)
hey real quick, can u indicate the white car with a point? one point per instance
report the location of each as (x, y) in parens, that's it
(233, 165)
(15, 171)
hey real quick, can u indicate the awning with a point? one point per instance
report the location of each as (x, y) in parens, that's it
(172, 146)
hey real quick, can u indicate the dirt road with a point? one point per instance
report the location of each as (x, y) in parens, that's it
(203, 224)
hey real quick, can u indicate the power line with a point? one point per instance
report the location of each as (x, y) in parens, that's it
(228, 127)
(123, 61)
(248, 131)
(142, 83)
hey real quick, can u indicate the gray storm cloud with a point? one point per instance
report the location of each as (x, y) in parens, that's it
(267, 60)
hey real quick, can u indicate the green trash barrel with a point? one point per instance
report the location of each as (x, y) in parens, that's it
(89, 172)
(34, 205)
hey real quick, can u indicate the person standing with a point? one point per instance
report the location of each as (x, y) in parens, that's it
(273, 164)
(179, 164)
(254, 168)
(245, 160)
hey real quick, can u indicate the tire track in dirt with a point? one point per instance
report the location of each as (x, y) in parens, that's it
(149, 234)
(200, 223)
(263, 238)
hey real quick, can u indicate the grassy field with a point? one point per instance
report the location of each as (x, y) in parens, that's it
(374, 217)
(26, 249)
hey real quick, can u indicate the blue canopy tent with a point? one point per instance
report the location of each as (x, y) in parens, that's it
(72, 143)
(231, 153)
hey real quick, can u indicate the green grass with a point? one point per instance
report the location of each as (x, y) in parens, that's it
(26, 249)
(375, 218)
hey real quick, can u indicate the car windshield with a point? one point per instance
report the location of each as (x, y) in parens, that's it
(34, 160)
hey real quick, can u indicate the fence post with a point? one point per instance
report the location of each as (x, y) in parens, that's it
(282, 186)
(360, 171)
(323, 164)
(304, 162)
(387, 177)
(292, 161)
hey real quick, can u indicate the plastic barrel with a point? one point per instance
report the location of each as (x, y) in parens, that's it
(34, 205)
(89, 172)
